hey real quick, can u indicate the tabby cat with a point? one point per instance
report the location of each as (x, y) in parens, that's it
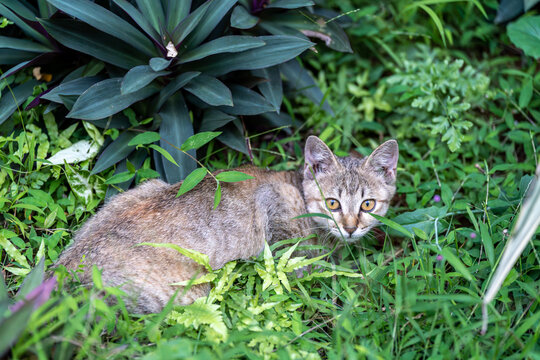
(250, 213)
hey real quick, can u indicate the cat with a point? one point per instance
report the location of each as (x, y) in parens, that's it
(250, 213)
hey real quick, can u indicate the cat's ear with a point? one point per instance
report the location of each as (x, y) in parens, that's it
(318, 156)
(383, 160)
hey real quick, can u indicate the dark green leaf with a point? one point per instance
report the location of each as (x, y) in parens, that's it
(175, 84)
(290, 4)
(234, 139)
(526, 93)
(138, 18)
(81, 37)
(136, 158)
(278, 49)
(242, 19)
(73, 87)
(175, 129)
(13, 325)
(147, 137)
(210, 90)
(158, 64)
(195, 177)
(120, 178)
(214, 119)
(233, 176)
(188, 24)
(525, 34)
(22, 24)
(176, 12)
(247, 102)
(215, 13)
(272, 89)
(138, 77)
(22, 44)
(9, 102)
(225, 44)
(104, 20)
(302, 82)
(198, 140)
(153, 11)
(115, 152)
(104, 99)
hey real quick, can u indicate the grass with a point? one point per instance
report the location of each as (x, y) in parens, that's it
(423, 273)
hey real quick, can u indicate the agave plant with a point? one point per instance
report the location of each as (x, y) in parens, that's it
(187, 66)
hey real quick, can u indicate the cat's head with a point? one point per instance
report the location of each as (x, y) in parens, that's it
(349, 188)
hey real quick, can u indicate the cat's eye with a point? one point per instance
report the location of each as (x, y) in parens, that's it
(333, 204)
(368, 205)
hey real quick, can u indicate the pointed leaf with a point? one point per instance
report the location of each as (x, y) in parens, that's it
(26, 28)
(278, 49)
(234, 139)
(9, 102)
(198, 140)
(233, 176)
(138, 77)
(175, 84)
(217, 196)
(166, 155)
(176, 12)
(214, 119)
(120, 178)
(84, 38)
(153, 11)
(210, 90)
(225, 44)
(247, 102)
(73, 87)
(106, 21)
(22, 44)
(158, 64)
(104, 99)
(145, 138)
(192, 180)
(215, 13)
(289, 4)
(272, 89)
(242, 19)
(116, 151)
(187, 25)
(175, 129)
(138, 18)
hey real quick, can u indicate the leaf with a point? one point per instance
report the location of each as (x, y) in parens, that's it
(272, 89)
(176, 12)
(120, 178)
(147, 137)
(423, 219)
(153, 11)
(246, 102)
(278, 49)
(139, 77)
(176, 84)
(194, 178)
(73, 87)
(9, 102)
(313, 215)
(488, 243)
(210, 90)
(116, 151)
(198, 140)
(242, 19)
(186, 26)
(526, 92)
(233, 176)
(212, 16)
(22, 44)
(214, 119)
(525, 34)
(158, 64)
(105, 99)
(165, 154)
(456, 263)
(392, 225)
(80, 151)
(81, 37)
(217, 196)
(13, 252)
(234, 139)
(225, 44)
(198, 257)
(175, 129)
(138, 18)
(302, 82)
(106, 21)
(290, 4)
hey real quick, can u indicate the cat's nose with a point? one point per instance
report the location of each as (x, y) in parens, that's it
(350, 229)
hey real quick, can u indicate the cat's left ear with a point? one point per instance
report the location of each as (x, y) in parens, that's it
(384, 160)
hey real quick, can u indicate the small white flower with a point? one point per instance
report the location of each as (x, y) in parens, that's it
(172, 53)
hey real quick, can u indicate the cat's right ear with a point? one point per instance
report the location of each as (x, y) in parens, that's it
(319, 157)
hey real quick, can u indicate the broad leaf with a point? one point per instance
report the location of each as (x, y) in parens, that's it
(73, 87)
(247, 102)
(158, 64)
(9, 102)
(120, 178)
(115, 152)
(84, 38)
(175, 129)
(139, 77)
(233, 176)
(192, 180)
(242, 19)
(104, 20)
(176, 12)
(289, 4)
(22, 44)
(175, 84)
(272, 89)
(145, 138)
(136, 15)
(225, 44)
(198, 140)
(214, 119)
(104, 99)
(153, 11)
(210, 90)
(213, 15)
(187, 25)
(525, 34)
